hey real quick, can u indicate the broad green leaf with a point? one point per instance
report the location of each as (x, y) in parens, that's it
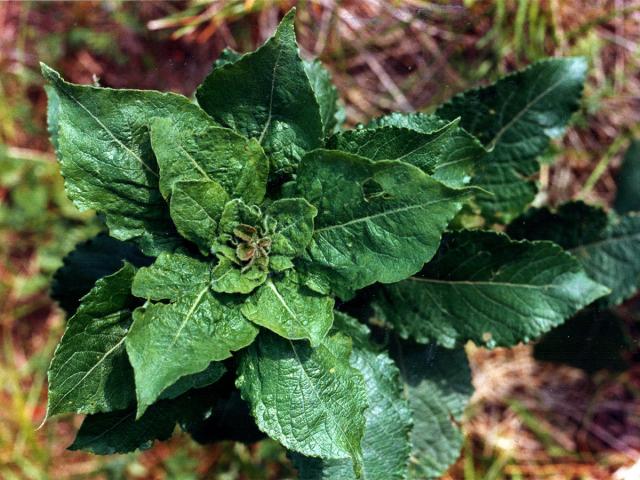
(606, 246)
(168, 341)
(121, 432)
(331, 110)
(106, 158)
(203, 151)
(90, 372)
(309, 399)
(385, 445)
(172, 276)
(628, 179)
(291, 310)
(516, 117)
(293, 225)
(594, 339)
(195, 209)
(437, 385)
(449, 154)
(484, 287)
(377, 221)
(90, 261)
(266, 95)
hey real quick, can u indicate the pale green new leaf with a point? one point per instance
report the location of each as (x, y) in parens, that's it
(231, 275)
(607, 246)
(204, 151)
(377, 221)
(169, 341)
(266, 95)
(484, 287)
(228, 277)
(290, 309)
(385, 445)
(331, 110)
(195, 209)
(293, 225)
(437, 385)
(90, 371)
(516, 117)
(449, 154)
(309, 399)
(106, 158)
(238, 212)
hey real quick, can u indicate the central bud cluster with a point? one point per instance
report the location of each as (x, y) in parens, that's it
(252, 246)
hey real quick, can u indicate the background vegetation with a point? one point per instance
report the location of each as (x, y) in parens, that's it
(527, 419)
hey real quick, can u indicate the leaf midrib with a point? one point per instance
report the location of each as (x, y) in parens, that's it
(110, 133)
(392, 211)
(494, 141)
(483, 282)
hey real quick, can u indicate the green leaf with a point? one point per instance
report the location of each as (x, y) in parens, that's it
(293, 225)
(628, 194)
(228, 277)
(606, 246)
(437, 385)
(106, 159)
(266, 95)
(291, 310)
(484, 287)
(309, 399)
(90, 261)
(202, 379)
(121, 432)
(449, 153)
(170, 340)
(592, 340)
(377, 221)
(90, 372)
(420, 122)
(234, 274)
(516, 117)
(172, 276)
(385, 443)
(332, 112)
(228, 55)
(195, 210)
(204, 152)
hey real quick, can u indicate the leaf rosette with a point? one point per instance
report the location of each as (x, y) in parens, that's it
(241, 230)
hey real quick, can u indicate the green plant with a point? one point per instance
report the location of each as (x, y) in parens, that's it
(294, 279)
(607, 245)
